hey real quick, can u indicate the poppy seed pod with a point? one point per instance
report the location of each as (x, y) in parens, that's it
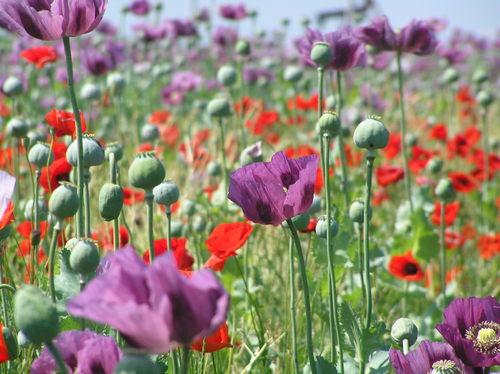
(36, 136)
(11, 342)
(322, 227)
(444, 190)
(356, 211)
(243, 48)
(166, 193)
(17, 127)
(219, 107)
(315, 206)
(40, 155)
(146, 171)
(116, 83)
(149, 132)
(35, 315)
(293, 74)
(227, 75)
(411, 140)
(484, 98)
(321, 54)
(12, 86)
(116, 149)
(331, 102)
(188, 208)
(214, 169)
(329, 123)
(177, 229)
(434, 165)
(110, 201)
(479, 76)
(371, 134)
(64, 201)
(199, 224)
(402, 329)
(136, 364)
(42, 210)
(93, 154)
(90, 92)
(84, 257)
(449, 76)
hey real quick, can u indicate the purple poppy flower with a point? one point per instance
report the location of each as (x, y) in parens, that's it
(272, 192)
(51, 19)
(186, 81)
(84, 352)
(255, 75)
(233, 12)
(452, 55)
(378, 34)
(347, 51)
(181, 28)
(225, 36)
(150, 33)
(472, 327)
(427, 357)
(372, 98)
(96, 63)
(203, 15)
(107, 28)
(139, 7)
(7, 184)
(155, 308)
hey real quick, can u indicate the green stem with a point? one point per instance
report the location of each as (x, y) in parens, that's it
(241, 114)
(175, 360)
(334, 318)
(76, 112)
(2, 293)
(321, 74)
(442, 254)
(169, 228)
(185, 360)
(149, 203)
(341, 147)
(57, 357)
(293, 312)
(35, 238)
(403, 133)
(406, 346)
(87, 202)
(486, 149)
(305, 289)
(361, 261)
(224, 160)
(370, 157)
(5, 286)
(52, 258)
(116, 222)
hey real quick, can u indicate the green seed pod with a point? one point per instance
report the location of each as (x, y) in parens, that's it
(84, 257)
(188, 208)
(110, 201)
(214, 169)
(116, 83)
(136, 364)
(404, 328)
(356, 211)
(484, 98)
(219, 107)
(12, 86)
(293, 74)
(243, 48)
(434, 166)
(300, 222)
(64, 201)
(449, 76)
(22, 340)
(35, 136)
(227, 75)
(331, 102)
(199, 224)
(35, 315)
(411, 140)
(11, 342)
(17, 127)
(166, 193)
(93, 154)
(322, 227)
(177, 229)
(146, 171)
(40, 155)
(480, 76)
(321, 54)
(90, 92)
(329, 123)
(116, 149)
(315, 206)
(371, 134)
(29, 210)
(445, 191)
(149, 132)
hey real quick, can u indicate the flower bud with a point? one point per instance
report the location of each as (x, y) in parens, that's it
(322, 227)
(90, 92)
(136, 364)
(243, 48)
(321, 54)
(371, 134)
(166, 193)
(356, 211)
(188, 208)
(116, 149)
(12, 86)
(484, 98)
(227, 76)
(219, 107)
(84, 257)
(110, 201)
(35, 315)
(402, 329)
(214, 169)
(116, 83)
(444, 190)
(251, 154)
(17, 127)
(480, 76)
(64, 201)
(434, 165)
(449, 76)
(146, 171)
(329, 123)
(40, 155)
(149, 132)
(293, 74)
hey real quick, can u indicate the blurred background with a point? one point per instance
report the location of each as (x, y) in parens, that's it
(479, 16)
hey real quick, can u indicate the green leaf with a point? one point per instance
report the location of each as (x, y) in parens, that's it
(324, 366)
(349, 322)
(379, 362)
(425, 241)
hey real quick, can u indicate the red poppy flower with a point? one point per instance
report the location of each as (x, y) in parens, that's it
(132, 196)
(40, 56)
(7, 216)
(393, 146)
(263, 121)
(4, 350)
(25, 228)
(104, 236)
(63, 122)
(58, 171)
(215, 342)
(458, 146)
(388, 174)
(6, 158)
(183, 259)
(215, 263)
(300, 151)
(4, 109)
(419, 159)
(450, 213)
(406, 267)
(169, 134)
(489, 246)
(453, 240)
(59, 149)
(439, 132)
(248, 105)
(302, 103)
(464, 95)
(311, 226)
(379, 196)
(159, 117)
(227, 238)
(462, 182)
(353, 157)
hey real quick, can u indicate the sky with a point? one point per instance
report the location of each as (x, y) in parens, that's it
(479, 16)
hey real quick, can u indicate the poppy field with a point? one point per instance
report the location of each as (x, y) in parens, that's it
(180, 196)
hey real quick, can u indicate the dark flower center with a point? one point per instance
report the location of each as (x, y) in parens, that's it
(264, 212)
(410, 269)
(98, 369)
(485, 337)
